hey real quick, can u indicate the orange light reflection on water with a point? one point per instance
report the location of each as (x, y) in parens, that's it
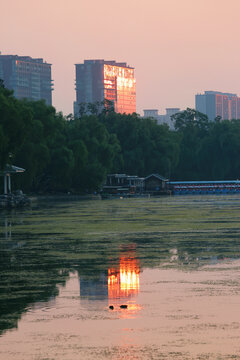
(129, 277)
(123, 283)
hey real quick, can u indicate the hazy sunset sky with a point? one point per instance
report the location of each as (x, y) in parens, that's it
(178, 47)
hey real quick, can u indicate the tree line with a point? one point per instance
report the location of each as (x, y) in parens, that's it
(75, 154)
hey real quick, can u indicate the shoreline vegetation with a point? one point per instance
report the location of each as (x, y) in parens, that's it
(74, 155)
(11, 201)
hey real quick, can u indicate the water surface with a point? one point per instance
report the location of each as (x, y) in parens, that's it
(174, 262)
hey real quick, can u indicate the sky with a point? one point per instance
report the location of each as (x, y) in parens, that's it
(177, 47)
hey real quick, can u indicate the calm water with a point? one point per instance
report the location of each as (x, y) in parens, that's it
(173, 262)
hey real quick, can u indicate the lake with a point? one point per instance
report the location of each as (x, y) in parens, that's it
(151, 278)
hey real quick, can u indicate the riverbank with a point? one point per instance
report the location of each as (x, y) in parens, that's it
(11, 201)
(64, 197)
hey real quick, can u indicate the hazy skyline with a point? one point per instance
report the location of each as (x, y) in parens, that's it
(178, 47)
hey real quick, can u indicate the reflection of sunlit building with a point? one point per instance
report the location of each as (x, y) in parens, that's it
(94, 288)
(117, 287)
(124, 282)
(97, 80)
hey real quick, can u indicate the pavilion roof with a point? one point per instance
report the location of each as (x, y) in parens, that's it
(11, 169)
(160, 177)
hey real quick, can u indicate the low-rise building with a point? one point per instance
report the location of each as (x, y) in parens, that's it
(155, 184)
(162, 118)
(117, 184)
(123, 184)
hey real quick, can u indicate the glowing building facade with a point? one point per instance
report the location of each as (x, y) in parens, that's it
(214, 103)
(97, 80)
(27, 77)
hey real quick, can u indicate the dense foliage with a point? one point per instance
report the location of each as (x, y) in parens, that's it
(66, 154)
(209, 150)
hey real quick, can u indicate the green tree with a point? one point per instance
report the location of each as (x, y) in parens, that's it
(15, 121)
(60, 169)
(219, 155)
(46, 134)
(192, 127)
(146, 147)
(94, 149)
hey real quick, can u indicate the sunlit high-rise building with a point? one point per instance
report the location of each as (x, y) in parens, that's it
(97, 80)
(27, 77)
(215, 103)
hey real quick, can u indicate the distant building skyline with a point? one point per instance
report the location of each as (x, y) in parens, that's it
(28, 77)
(98, 79)
(162, 118)
(149, 36)
(216, 103)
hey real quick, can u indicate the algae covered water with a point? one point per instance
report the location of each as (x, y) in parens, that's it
(67, 268)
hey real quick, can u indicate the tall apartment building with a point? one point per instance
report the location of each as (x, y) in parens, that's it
(97, 80)
(27, 77)
(214, 103)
